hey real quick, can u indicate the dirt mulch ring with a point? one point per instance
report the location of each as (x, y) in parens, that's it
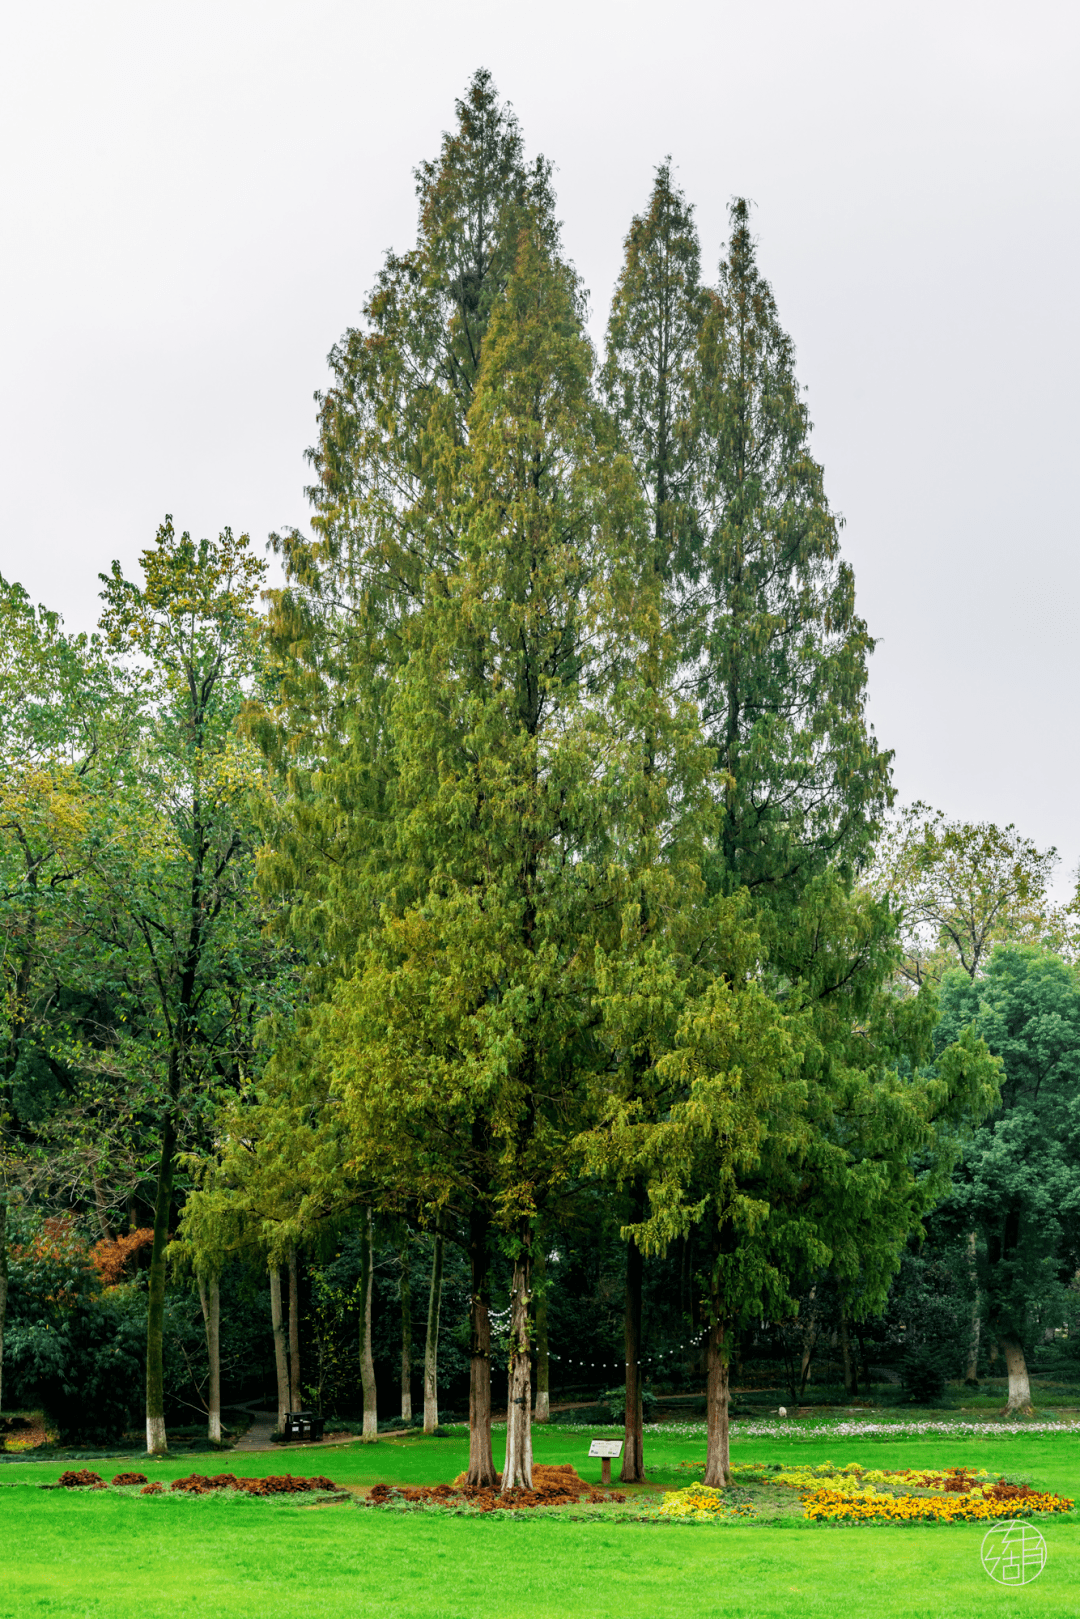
(552, 1486)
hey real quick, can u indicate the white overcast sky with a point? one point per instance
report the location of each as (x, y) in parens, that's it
(195, 198)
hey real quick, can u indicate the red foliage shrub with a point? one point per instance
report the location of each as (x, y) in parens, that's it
(276, 1484)
(84, 1477)
(153, 1489)
(1009, 1492)
(551, 1485)
(110, 1256)
(130, 1478)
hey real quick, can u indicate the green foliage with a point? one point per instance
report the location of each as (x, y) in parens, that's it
(1017, 1185)
(964, 888)
(71, 1348)
(772, 633)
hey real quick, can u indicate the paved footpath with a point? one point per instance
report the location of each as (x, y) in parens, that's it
(260, 1436)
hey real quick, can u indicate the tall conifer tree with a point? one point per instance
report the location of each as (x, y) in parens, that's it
(652, 339)
(773, 636)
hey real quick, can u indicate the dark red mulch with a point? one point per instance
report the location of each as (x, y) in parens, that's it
(552, 1486)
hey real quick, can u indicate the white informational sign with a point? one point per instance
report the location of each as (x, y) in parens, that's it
(606, 1447)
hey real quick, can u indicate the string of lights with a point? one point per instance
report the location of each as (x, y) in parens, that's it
(648, 1360)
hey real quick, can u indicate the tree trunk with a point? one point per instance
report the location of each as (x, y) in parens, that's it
(367, 1360)
(281, 1359)
(210, 1299)
(3, 1285)
(542, 1408)
(633, 1462)
(863, 1356)
(851, 1374)
(809, 1342)
(296, 1398)
(1019, 1386)
(481, 1462)
(406, 1334)
(431, 1340)
(157, 1443)
(972, 1373)
(717, 1445)
(517, 1469)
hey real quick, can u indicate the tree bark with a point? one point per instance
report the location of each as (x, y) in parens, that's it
(3, 1285)
(367, 1360)
(809, 1343)
(281, 1359)
(633, 1462)
(481, 1462)
(717, 1444)
(851, 1374)
(406, 1333)
(1019, 1384)
(542, 1408)
(517, 1469)
(157, 1443)
(210, 1300)
(972, 1372)
(296, 1398)
(431, 1338)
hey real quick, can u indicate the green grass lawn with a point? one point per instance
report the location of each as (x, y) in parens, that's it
(131, 1558)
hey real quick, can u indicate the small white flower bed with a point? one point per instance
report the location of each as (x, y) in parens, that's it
(827, 1428)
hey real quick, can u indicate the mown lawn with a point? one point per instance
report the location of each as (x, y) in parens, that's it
(131, 1558)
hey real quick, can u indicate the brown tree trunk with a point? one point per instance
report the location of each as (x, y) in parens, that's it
(810, 1333)
(542, 1408)
(851, 1374)
(431, 1339)
(517, 1469)
(481, 1461)
(210, 1300)
(972, 1373)
(157, 1443)
(296, 1397)
(717, 1444)
(406, 1333)
(370, 1430)
(633, 1462)
(1019, 1384)
(3, 1285)
(281, 1358)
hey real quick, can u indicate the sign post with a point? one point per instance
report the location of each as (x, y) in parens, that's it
(606, 1449)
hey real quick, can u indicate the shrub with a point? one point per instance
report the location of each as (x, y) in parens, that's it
(82, 1479)
(923, 1375)
(123, 1479)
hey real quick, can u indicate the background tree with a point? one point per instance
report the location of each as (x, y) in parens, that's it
(1017, 1186)
(173, 880)
(963, 888)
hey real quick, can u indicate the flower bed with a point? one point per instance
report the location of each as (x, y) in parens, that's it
(868, 1506)
(700, 1503)
(855, 1494)
(201, 1484)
